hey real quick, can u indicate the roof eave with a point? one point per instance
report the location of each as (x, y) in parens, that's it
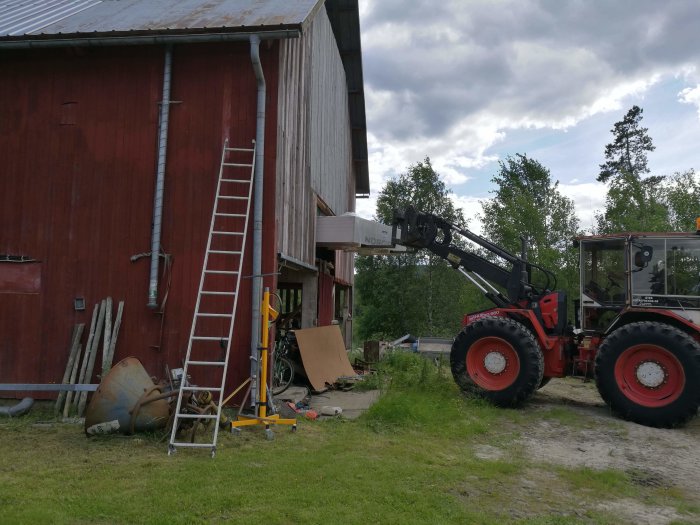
(150, 37)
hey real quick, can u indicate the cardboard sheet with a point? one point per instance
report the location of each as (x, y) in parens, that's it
(323, 355)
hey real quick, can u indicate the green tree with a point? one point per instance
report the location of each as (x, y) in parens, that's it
(633, 202)
(527, 203)
(416, 293)
(682, 198)
(627, 154)
(421, 188)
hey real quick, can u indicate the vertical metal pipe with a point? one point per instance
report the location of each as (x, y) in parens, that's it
(257, 214)
(160, 179)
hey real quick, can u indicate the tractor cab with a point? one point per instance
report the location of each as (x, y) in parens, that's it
(652, 271)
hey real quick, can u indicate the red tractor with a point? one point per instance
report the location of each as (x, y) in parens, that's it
(637, 323)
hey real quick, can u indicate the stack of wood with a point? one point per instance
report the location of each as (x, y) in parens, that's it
(103, 331)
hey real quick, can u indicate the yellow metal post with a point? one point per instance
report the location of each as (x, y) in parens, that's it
(264, 339)
(267, 313)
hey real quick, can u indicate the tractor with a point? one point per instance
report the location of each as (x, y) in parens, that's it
(636, 327)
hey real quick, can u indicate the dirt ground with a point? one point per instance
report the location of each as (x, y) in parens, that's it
(652, 457)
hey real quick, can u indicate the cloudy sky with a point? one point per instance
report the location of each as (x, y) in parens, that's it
(469, 82)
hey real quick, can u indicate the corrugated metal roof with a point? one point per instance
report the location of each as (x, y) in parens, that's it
(28, 18)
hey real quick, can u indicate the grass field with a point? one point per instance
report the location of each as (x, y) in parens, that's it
(421, 454)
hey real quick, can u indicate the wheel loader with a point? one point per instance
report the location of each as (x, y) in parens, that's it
(636, 327)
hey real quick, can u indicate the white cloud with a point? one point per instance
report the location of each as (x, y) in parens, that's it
(456, 80)
(366, 208)
(588, 197)
(471, 208)
(691, 96)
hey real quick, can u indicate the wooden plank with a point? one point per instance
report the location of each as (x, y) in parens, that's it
(75, 344)
(91, 337)
(92, 355)
(108, 332)
(73, 375)
(107, 362)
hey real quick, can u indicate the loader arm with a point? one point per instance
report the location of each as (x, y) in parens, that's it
(419, 230)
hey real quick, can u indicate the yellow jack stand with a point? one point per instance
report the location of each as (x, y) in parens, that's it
(261, 409)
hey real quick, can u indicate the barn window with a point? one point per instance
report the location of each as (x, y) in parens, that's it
(19, 274)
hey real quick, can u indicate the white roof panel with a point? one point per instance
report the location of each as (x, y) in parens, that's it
(75, 17)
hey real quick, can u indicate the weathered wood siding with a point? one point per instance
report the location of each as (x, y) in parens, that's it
(314, 155)
(330, 140)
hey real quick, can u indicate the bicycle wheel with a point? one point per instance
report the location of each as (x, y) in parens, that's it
(282, 375)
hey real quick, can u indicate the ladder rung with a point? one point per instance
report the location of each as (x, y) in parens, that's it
(237, 165)
(235, 180)
(195, 445)
(202, 388)
(197, 416)
(213, 315)
(225, 252)
(207, 338)
(206, 363)
(226, 233)
(233, 197)
(218, 214)
(211, 292)
(239, 149)
(222, 272)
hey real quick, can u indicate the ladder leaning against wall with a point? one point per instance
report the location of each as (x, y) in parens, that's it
(211, 334)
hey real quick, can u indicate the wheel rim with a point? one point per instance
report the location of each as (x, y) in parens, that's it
(493, 363)
(649, 375)
(281, 375)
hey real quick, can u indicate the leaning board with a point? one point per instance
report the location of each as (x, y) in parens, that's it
(323, 355)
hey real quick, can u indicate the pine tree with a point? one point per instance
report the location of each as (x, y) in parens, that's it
(627, 154)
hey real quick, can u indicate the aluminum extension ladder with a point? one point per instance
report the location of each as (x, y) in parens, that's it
(210, 338)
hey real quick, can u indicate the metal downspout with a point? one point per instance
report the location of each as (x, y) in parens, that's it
(257, 214)
(160, 179)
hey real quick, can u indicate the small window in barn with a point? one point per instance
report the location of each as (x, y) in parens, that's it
(68, 112)
(19, 274)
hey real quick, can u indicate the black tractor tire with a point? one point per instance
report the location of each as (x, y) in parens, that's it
(544, 382)
(649, 373)
(499, 359)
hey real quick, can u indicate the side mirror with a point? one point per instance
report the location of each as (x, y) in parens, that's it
(643, 256)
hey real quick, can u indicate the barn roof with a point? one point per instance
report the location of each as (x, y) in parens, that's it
(51, 18)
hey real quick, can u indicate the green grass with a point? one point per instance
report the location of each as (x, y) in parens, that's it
(415, 457)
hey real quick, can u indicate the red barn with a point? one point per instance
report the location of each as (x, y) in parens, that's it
(113, 116)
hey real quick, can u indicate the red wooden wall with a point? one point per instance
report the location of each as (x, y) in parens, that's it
(78, 144)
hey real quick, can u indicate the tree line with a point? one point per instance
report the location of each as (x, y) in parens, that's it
(420, 294)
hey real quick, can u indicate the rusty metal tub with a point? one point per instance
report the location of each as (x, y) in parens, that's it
(128, 395)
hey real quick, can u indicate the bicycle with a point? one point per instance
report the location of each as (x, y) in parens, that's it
(282, 365)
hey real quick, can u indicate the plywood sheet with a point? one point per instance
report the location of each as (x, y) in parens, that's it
(323, 355)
